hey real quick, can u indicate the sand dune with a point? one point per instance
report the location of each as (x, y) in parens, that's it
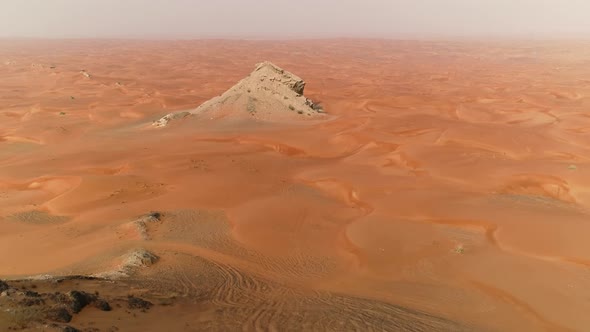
(444, 189)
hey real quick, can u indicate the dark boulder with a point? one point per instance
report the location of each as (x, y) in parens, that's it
(138, 303)
(29, 293)
(31, 301)
(102, 305)
(77, 300)
(3, 286)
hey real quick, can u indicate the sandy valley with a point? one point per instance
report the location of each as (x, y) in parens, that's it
(442, 186)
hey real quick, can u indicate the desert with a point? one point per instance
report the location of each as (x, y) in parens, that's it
(331, 184)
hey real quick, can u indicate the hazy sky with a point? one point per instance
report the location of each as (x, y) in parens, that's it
(293, 18)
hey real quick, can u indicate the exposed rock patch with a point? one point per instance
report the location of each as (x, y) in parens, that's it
(74, 301)
(169, 117)
(26, 308)
(140, 258)
(131, 262)
(138, 303)
(142, 223)
(269, 93)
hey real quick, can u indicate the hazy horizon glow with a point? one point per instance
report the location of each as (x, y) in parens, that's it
(179, 19)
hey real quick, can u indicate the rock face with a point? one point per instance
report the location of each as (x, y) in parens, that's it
(269, 93)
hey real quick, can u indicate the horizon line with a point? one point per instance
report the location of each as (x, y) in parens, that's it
(287, 39)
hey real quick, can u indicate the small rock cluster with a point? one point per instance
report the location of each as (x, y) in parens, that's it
(29, 307)
(138, 303)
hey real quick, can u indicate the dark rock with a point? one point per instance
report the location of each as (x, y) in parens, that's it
(79, 300)
(102, 305)
(58, 297)
(69, 329)
(31, 301)
(3, 286)
(138, 303)
(155, 215)
(73, 277)
(298, 87)
(316, 106)
(32, 294)
(58, 314)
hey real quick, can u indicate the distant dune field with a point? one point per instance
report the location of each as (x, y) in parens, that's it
(445, 189)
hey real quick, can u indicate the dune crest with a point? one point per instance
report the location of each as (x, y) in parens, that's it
(269, 93)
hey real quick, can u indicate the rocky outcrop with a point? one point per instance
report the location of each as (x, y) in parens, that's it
(131, 262)
(163, 121)
(29, 307)
(138, 303)
(141, 223)
(269, 93)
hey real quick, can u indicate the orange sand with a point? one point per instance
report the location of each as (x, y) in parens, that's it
(450, 177)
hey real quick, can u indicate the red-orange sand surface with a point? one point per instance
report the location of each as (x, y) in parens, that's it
(448, 183)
